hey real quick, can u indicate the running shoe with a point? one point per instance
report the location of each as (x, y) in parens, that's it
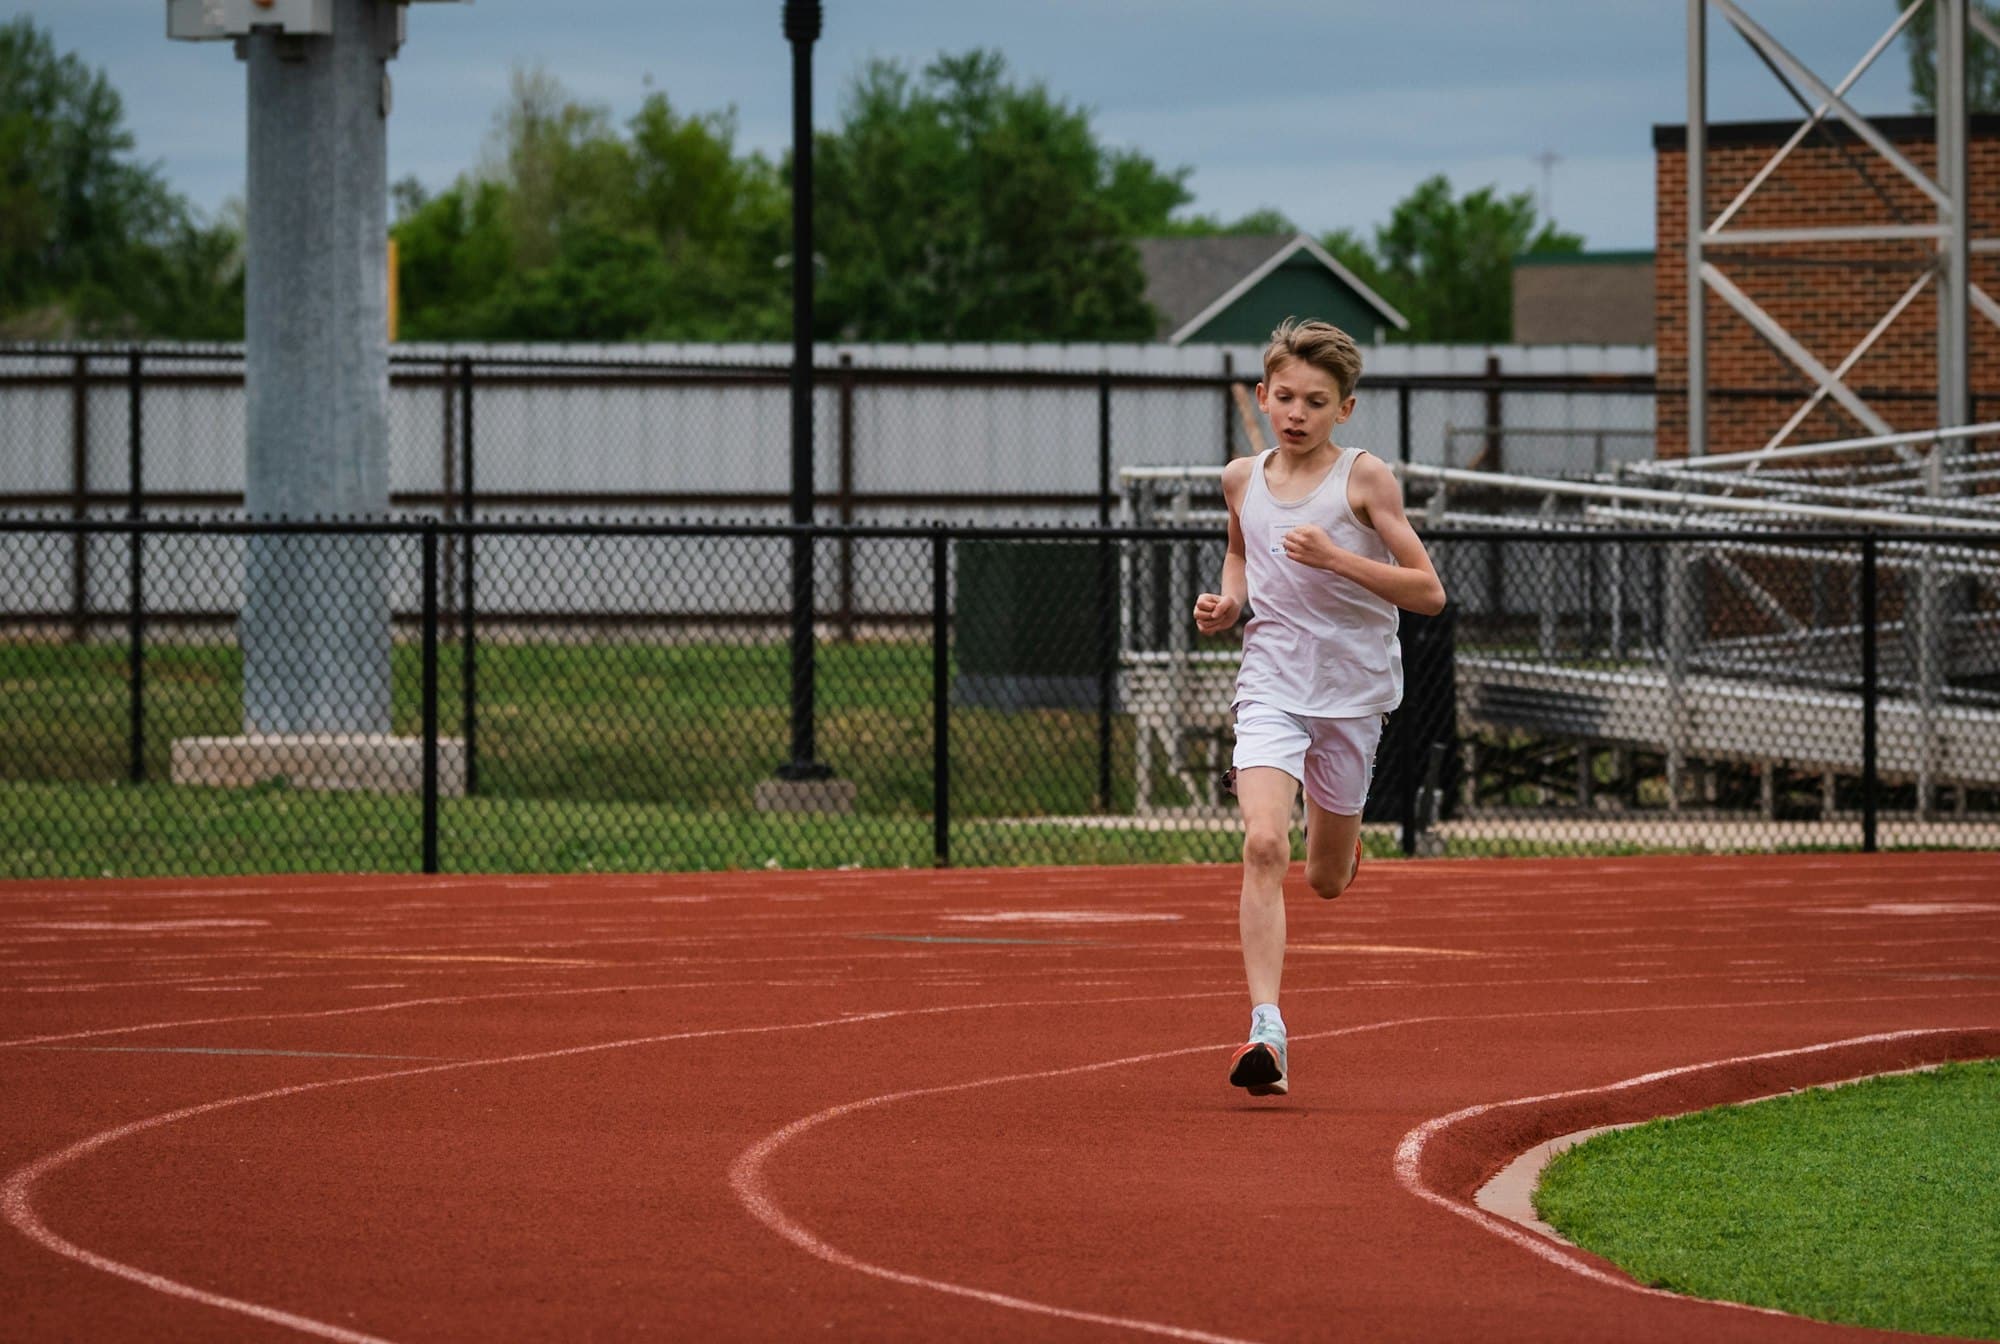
(1258, 1067)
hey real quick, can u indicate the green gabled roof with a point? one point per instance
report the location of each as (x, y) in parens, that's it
(1193, 280)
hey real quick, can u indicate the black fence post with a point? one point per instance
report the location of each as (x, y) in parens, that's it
(1107, 643)
(135, 509)
(79, 507)
(468, 641)
(1403, 435)
(846, 496)
(940, 698)
(429, 694)
(1412, 767)
(1870, 693)
(1228, 407)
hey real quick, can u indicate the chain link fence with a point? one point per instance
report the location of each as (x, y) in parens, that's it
(528, 697)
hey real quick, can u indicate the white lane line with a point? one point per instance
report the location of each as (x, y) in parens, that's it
(747, 1178)
(751, 1186)
(1409, 1160)
(1915, 973)
(214, 1050)
(17, 1195)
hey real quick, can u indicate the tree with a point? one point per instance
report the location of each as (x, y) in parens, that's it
(574, 231)
(955, 205)
(1982, 60)
(92, 242)
(1256, 222)
(453, 254)
(1447, 263)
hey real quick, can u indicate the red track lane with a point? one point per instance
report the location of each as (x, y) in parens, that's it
(908, 1106)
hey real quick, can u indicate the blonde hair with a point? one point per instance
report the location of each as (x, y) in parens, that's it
(1320, 344)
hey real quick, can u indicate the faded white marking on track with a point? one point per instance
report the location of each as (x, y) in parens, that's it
(144, 925)
(1064, 917)
(1932, 908)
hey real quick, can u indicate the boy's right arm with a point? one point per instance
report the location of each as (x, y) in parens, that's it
(1216, 612)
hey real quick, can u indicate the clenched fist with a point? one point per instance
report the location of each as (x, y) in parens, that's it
(1308, 544)
(1215, 612)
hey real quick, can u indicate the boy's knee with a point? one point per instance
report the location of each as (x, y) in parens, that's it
(1328, 880)
(1266, 849)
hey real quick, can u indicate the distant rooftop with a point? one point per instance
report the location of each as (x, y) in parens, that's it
(1188, 278)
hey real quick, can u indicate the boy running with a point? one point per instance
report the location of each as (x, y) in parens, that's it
(1320, 548)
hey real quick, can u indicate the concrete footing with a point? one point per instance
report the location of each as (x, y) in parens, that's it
(375, 762)
(805, 795)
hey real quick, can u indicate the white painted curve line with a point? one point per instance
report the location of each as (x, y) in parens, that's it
(752, 1188)
(458, 1000)
(1409, 1159)
(16, 1200)
(17, 1195)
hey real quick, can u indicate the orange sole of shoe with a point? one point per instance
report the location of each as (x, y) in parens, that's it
(1254, 1068)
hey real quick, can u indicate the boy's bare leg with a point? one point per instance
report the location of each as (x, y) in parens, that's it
(1330, 859)
(1265, 794)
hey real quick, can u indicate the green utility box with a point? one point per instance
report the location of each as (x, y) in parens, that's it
(1035, 623)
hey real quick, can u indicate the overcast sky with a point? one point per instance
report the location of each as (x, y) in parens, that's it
(1328, 110)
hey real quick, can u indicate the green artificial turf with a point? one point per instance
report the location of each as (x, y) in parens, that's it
(1876, 1203)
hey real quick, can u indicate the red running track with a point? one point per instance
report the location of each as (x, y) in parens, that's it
(908, 1106)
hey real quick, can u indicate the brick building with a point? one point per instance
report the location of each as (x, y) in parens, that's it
(1827, 295)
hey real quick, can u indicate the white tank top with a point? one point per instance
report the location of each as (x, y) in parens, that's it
(1317, 645)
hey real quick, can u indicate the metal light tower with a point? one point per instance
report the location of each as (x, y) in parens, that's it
(1948, 194)
(316, 616)
(1710, 236)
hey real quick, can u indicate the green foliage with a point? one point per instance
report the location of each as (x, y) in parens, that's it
(1258, 223)
(1982, 60)
(951, 204)
(1447, 263)
(453, 254)
(577, 231)
(92, 243)
(955, 205)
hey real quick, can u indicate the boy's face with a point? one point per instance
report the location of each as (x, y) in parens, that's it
(1304, 404)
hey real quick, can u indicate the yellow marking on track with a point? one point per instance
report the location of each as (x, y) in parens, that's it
(1393, 948)
(1381, 947)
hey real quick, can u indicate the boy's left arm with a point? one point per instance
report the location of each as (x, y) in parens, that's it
(1411, 583)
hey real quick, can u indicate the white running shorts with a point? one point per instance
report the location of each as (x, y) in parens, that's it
(1333, 758)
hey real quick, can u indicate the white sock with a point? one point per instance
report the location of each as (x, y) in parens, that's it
(1267, 1012)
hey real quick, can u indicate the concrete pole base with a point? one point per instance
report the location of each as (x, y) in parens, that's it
(834, 796)
(371, 762)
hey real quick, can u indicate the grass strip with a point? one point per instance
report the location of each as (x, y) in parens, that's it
(1875, 1204)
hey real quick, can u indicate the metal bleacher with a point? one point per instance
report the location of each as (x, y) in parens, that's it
(1786, 695)
(1610, 646)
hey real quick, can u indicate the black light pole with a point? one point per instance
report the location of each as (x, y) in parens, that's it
(802, 23)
